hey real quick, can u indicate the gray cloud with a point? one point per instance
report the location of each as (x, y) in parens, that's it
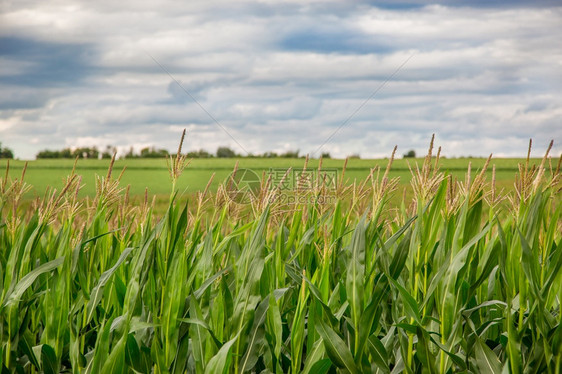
(45, 64)
(485, 76)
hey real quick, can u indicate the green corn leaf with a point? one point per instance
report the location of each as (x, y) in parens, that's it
(220, 363)
(485, 304)
(115, 363)
(379, 353)
(78, 249)
(316, 293)
(423, 351)
(49, 362)
(321, 367)
(97, 291)
(410, 305)
(554, 270)
(355, 281)
(336, 348)
(101, 350)
(368, 319)
(314, 356)
(203, 324)
(26, 347)
(529, 262)
(255, 337)
(197, 333)
(400, 255)
(490, 264)
(133, 355)
(209, 281)
(28, 280)
(486, 360)
(274, 326)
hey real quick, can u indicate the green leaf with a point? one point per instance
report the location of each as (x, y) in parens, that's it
(401, 253)
(355, 277)
(49, 361)
(336, 348)
(26, 347)
(314, 356)
(321, 367)
(203, 324)
(197, 334)
(115, 363)
(97, 291)
(485, 305)
(28, 280)
(133, 356)
(101, 349)
(209, 281)
(423, 352)
(529, 262)
(368, 322)
(256, 335)
(220, 363)
(379, 354)
(486, 360)
(410, 306)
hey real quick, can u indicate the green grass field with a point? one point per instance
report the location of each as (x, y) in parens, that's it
(153, 173)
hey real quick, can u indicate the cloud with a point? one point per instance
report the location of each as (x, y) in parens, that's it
(46, 64)
(484, 76)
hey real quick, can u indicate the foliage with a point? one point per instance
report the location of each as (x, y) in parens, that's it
(199, 154)
(151, 152)
(225, 152)
(410, 154)
(147, 152)
(290, 154)
(462, 279)
(81, 152)
(6, 152)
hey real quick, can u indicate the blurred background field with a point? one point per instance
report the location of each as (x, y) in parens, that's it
(153, 173)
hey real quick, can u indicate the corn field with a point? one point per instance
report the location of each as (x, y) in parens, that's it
(463, 278)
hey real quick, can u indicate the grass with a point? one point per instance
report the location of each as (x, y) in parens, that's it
(458, 278)
(154, 175)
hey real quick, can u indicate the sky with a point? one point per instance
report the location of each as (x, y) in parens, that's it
(344, 77)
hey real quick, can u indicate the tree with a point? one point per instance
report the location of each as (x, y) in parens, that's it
(6, 152)
(225, 152)
(109, 152)
(65, 153)
(411, 154)
(131, 153)
(47, 153)
(199, 154)
(269, 155)
(85, 152)
(290, 154)
(151, 152)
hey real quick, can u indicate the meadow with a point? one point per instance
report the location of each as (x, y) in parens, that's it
(455, 276)
(154, 174)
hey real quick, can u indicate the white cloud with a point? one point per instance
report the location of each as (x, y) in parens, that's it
(280, 76)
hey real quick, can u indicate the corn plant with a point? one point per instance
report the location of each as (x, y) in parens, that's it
(460, 279)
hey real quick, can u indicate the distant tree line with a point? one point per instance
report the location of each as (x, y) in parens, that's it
(94, 153)
(152, 152)
(148, 152)
(5, 152)
(82, 152)
(410, 154)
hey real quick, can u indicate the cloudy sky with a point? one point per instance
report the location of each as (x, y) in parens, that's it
(484, 76)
